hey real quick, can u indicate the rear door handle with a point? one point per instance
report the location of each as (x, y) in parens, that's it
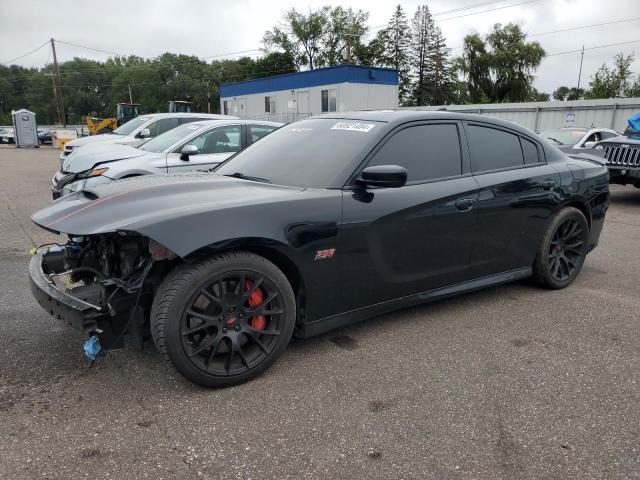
(548, 184)
(464, 204)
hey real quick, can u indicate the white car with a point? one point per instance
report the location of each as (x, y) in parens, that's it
(198, 146)
(570, 139)
(140, 129)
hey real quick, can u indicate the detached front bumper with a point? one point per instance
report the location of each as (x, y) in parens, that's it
(78, 313)
(110, 323)
(64, 184)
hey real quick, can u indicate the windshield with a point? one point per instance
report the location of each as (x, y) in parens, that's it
(167, 139)
(563, 136)
(130, 126)
(308, 153)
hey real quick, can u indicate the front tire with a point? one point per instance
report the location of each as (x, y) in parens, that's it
(223, 320)
(563, 249)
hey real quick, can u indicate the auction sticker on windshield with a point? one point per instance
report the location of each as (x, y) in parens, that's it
(353, 126)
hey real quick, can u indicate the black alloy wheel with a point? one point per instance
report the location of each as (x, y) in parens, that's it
(223, 320)
(563, 249)
(233, 323)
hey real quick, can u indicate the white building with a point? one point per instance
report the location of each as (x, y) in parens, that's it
(298, 95)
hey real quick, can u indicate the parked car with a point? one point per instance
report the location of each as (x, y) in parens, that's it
(622, 154)
(200, 145)
(45, 137)
(140, 129)
(325, 222)
(570, 139)
(7, 135)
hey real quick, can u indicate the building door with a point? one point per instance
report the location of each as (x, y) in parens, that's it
(303, 102)
(242, 107)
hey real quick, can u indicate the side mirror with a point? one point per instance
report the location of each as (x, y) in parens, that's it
(144, 133)
(390, 176)
(589, 144)
(187, 151)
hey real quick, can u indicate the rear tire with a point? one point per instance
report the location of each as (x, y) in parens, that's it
(223, 320)
(563, 249)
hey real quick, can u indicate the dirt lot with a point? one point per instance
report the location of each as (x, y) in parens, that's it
(511, 382)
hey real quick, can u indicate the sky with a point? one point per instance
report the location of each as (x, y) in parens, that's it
(212, 29)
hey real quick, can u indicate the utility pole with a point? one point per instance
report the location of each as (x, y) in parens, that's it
(56, 72)
(130, 96)
(435, 83)
(580, 71)
(55, 97)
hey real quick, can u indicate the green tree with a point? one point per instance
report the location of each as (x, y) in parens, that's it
(395, 41)
(614, 82)
(500, 67)
(342, 26)
(565, 93)
(300, 36)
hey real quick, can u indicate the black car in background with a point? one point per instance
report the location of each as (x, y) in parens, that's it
(45, 137)
(325, 222)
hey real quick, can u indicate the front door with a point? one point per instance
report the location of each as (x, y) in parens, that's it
(402, 241)
(303, 102)
(214, 146)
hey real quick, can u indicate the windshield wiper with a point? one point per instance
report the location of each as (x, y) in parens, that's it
(556, 140)
(248, 177)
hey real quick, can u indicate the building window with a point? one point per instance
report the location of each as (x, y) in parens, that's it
(269, 105)
(328, 98)
(225, 107)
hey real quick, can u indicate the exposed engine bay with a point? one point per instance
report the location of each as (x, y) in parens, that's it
(112, 276)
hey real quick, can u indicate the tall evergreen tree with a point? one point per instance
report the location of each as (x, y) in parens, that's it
(396, 50)
(422, 45)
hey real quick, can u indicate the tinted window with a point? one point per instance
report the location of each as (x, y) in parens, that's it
(259, 131)
(492, 149)
(218, 140)
(530, 151)
(307, 153)
(606, 135)
(185, 120)
(426, 151)
(162, 125)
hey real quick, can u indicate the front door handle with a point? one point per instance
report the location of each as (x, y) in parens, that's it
(548, 184)
(464, 204)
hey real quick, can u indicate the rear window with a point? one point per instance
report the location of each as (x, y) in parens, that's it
(492, 149)
(530, 151)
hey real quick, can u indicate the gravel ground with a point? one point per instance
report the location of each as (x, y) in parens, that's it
(510, 382)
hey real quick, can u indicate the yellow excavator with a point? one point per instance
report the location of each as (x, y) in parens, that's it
(124, 113)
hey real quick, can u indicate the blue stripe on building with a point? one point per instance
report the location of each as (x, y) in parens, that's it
(312, 78)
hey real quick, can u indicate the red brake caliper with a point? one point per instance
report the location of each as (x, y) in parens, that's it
(259, 322)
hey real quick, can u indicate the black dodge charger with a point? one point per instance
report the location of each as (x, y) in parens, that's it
(323, 223)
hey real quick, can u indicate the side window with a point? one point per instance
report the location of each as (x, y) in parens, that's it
(530, 151)
(606, 135)
(162, 125)
(259, 131)
(269, 105)
(328, 100)
(225, 107)
(218, 140)
(427, 152)
(492, 149)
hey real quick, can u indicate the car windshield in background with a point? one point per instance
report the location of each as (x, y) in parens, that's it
(130, 126)
(167, 139)
(309, 153)
(562, 136)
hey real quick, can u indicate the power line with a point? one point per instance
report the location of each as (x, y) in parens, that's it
(25, 55)
(592, 48)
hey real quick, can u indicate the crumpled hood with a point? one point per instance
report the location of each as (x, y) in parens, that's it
(101, 152)
(144, 204)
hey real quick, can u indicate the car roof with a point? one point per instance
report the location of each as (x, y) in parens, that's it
(188, 115)
(395, 117)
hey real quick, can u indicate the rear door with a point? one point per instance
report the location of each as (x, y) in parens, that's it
(516, 197)
(214, 146)
(401, 241)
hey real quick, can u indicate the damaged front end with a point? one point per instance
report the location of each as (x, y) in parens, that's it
(101, 284)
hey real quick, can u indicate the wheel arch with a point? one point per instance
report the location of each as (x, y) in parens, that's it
(277, 253)
(581, 205)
